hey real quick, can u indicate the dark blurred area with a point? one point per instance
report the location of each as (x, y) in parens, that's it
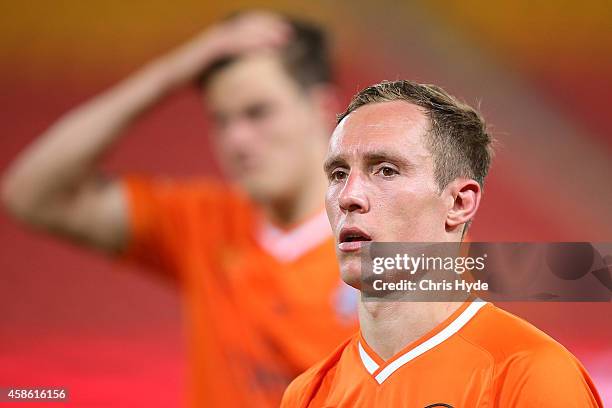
(539, 71)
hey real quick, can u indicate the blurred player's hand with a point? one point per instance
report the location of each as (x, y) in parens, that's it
(240, 34)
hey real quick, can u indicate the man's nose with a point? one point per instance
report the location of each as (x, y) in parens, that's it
(238, 132)
(353, 196)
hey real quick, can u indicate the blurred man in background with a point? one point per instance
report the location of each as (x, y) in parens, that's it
(255, 258)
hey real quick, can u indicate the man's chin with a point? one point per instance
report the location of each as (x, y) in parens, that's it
(351, 275)
(258, 190)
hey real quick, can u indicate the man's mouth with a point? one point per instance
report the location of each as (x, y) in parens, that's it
(352, 239)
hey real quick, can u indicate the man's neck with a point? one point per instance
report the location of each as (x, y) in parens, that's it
(388, 327)
(300, 205)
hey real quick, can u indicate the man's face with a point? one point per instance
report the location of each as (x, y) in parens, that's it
(381, 182)
(265, 126)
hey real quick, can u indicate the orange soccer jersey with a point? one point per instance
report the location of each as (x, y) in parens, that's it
(481, 356)
(262, 304)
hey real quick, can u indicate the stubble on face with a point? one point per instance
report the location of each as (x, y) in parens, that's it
(404, 207)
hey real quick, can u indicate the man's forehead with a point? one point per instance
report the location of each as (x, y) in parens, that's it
(260, 71)
(394, 123)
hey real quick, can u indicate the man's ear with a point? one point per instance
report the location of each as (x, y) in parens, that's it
(326, 98)
(465, 195)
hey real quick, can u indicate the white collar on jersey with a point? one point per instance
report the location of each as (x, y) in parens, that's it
(287, 246)
(371, 366)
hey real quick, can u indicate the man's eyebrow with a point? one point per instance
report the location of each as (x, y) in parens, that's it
(369, 157)
(333, 162)
(386, 156)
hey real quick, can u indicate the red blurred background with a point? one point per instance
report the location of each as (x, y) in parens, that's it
(112, 334)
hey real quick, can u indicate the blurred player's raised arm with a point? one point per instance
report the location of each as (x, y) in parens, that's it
(55, 184)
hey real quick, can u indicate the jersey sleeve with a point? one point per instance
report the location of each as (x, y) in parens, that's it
(165, 215)
(549, 376)
(311, 387)
(290, 396)
(296, 394)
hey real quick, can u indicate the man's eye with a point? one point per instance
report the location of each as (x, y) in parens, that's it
(387, 171)
(257, 111)
(338, 175)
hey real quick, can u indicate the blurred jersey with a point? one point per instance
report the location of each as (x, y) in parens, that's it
(262, 304)
(481, 356)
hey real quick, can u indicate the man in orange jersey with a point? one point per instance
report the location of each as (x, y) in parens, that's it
(243, 253)
(406, 163)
